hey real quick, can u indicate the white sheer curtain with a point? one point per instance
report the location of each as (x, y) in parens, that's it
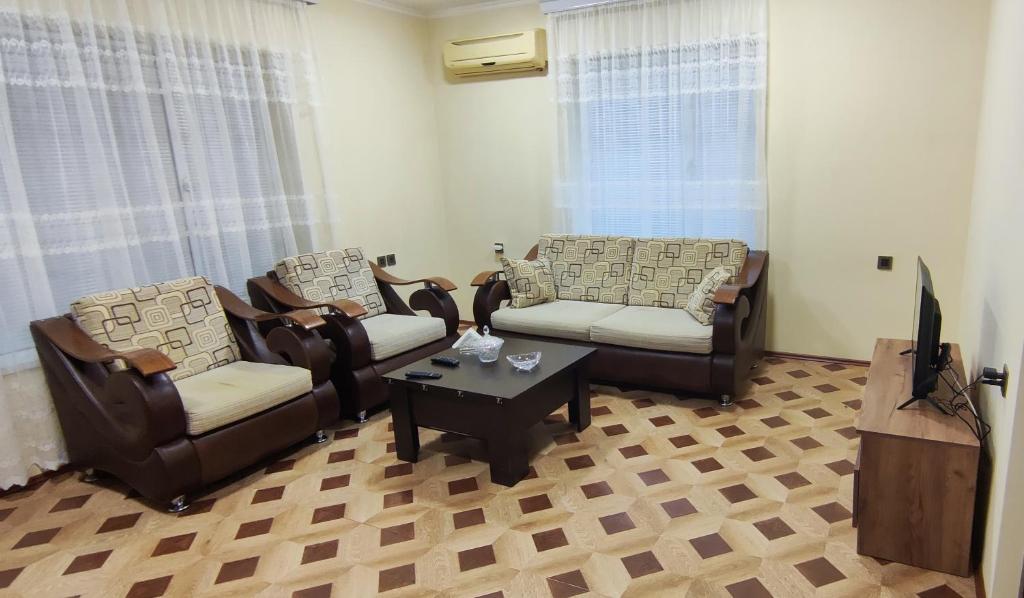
(141, 141)
(661, 118)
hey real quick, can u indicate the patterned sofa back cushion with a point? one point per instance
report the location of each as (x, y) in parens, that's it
(666, 271)
(589, 268)
(328, 275)
(182, 319)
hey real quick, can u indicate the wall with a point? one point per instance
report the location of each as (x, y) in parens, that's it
(380, 134)
(496, 141)
(870, 151)
(992, 321)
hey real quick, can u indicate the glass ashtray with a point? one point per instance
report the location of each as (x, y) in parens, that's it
(524, 361)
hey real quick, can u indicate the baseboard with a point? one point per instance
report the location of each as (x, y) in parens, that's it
(821, 358)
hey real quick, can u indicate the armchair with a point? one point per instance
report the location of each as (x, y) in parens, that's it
(172, 386)
(371, 330)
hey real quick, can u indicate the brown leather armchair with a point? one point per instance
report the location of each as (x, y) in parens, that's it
(134, 423)
(356, 325)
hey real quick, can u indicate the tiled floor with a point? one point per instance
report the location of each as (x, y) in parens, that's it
(659, 497)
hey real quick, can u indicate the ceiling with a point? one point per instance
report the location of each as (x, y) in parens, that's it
(435, 8)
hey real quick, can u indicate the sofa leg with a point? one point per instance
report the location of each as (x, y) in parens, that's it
(361, 417)
(89, 476)
(178, 505)
(320, 437)
(725, 400)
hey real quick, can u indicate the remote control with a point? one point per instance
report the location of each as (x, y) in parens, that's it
(448, 362)
(423, 375)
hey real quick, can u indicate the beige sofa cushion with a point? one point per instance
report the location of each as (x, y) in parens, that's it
(701, 304)
(529, 282)
(589, 268)
(235, 391)
(182, 319)
(561, 319)
(655, 328)
(329, 275)
(393, 334)
(665, 271)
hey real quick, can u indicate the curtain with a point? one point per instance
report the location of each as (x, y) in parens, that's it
(142, 141)
(661, 118)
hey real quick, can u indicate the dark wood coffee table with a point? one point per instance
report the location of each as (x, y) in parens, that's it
(491, 401)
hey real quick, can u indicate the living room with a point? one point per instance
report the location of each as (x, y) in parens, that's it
(145, 143)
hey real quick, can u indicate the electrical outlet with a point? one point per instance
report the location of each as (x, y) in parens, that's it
(382, 260)
(499, 248)
(391, 259)
(885, 262)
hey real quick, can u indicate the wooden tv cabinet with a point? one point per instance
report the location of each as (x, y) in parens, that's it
(914, 485)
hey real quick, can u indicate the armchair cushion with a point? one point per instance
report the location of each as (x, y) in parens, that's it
(392, 334)
(182, 319)
(561, 319)
(228, 394)
(589, 268)
(329, 275)
(665, 271)
(529, 282)
(654, 328)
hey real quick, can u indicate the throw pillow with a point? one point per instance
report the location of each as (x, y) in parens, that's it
(530, 282)
(701, 303)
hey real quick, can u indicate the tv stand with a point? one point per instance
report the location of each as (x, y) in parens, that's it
(924, 392)
(916, 476)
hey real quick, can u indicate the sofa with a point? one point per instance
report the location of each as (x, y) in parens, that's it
(625, 296)
(369, 328)
(171, 387)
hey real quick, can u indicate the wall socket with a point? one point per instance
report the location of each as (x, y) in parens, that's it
(391, 259)
(382, 260)
(885, 262)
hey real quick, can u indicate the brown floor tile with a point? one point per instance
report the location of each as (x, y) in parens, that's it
(737, 493)
(552, 538)
(462, 486)
(321, 591)
(321, 551)
(88, 562)
(820, 572)
(173, 544)
(532, 504)
(653, 477)
(633, 451)
(474, 558)
(68, 504)
(150, 588)
(235, 570)
(400, 469)
(619, 522)
(397, 534)
(396, 577)
(644, 563)
(118, 523)
(774, 528)
(748, 588)
(328, 513)
(832, 512)
(468, 518)
(679, 507)
(36, 538)
(254, 528)
(579, 462)
(596, 489)
(397, 499)
(711, 545)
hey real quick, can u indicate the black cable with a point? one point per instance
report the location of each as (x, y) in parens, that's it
(980, 428)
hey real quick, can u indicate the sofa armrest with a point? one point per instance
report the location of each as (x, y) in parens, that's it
(485, 277)
(387, 278)
(439, 304)
(234, 305)
(303, 349)
(748, 277)
(65, 334)
(283, 297)
(488, 299)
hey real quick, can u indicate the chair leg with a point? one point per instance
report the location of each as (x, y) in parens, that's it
(89, 476)
(178, 504)
(320, 437)
(725, 400)
(361, 417)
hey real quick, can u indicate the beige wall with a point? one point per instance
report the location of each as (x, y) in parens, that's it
(496, 139)
(992, 320)
(380, 133)
(872, 119)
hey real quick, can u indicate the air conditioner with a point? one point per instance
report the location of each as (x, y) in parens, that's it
(507, 53)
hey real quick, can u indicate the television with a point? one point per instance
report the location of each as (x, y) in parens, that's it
(928, 355)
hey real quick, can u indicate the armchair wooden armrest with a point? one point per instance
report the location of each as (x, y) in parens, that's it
(746, 279)
(242, 310)
(283, 296)
(383, 276)
(484, 277)
(72, 340)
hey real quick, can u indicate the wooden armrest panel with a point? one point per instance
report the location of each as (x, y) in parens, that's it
(383, 276)
(484, 277)
(72, 340)
(283, 296)
(747, 278)
(234, 305)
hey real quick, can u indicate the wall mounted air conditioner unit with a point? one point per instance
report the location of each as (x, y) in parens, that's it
(508, 53)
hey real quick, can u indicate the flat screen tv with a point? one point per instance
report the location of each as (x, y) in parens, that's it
(928, 354)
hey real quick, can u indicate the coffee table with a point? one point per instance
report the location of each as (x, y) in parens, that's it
(491, 401)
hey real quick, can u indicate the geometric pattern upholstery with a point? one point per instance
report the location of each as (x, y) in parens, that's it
(529, 282)
(182, 319)
(589, 268)
(329, 275)
(658, 497)
(701, 304)
(666, 271)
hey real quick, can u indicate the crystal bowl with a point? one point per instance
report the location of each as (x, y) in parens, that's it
(524, 361)
(489, 349)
